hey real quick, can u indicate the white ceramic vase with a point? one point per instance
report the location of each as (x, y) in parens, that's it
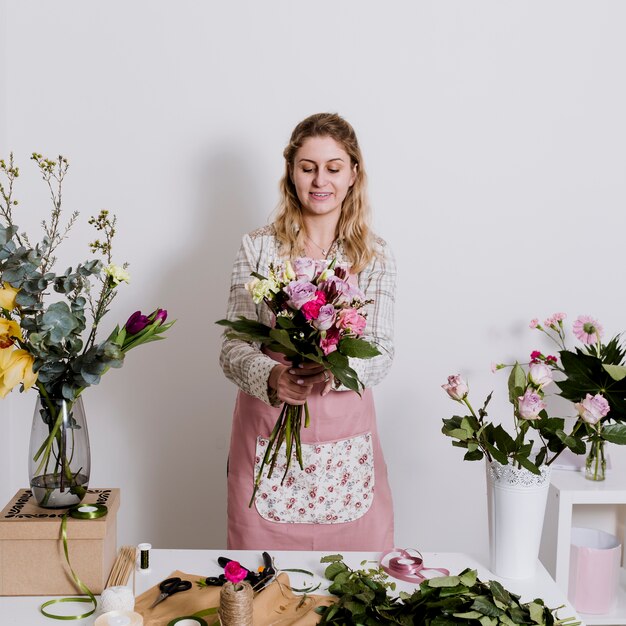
(516, 501)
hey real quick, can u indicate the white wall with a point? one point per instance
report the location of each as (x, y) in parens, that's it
(494, 137)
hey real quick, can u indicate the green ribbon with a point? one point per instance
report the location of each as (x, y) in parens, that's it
(76, 513)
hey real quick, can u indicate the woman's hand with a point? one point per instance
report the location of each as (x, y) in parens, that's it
(294, 384)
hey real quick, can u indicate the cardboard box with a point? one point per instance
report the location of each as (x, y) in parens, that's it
(32, 561)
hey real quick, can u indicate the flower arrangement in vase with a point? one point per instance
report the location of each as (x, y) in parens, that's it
(593, 377)
(46, 342)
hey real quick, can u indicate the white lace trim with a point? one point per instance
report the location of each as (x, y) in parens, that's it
(512, 476)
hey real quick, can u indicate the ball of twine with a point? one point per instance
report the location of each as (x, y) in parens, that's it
(236, 604)
(118, 598)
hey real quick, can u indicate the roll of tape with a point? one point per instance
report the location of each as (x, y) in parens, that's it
(119, 618)
(119, 598)
(187, 621)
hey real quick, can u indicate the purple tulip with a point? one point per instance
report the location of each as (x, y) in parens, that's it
(160, 315)
(136, 323)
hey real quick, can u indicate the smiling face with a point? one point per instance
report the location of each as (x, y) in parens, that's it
(322, 173)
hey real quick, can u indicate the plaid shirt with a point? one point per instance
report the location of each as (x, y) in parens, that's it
(249, 368)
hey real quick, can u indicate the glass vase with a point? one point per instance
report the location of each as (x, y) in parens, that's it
(59, 456)
(595, 464)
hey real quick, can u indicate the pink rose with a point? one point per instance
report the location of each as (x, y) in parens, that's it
(593, 408)
(300, 292)
(312, 308)
(328, 343)
(540, 375)
(234, 572)
(530, 405)
(304, 267)
(325, 317)
(352, 321)
(456, 388)
(533, 323)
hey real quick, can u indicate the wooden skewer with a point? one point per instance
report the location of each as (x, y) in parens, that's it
(123, 566)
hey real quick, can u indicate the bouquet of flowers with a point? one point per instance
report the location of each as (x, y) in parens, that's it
(594, 379)
(49, 345)
(319, 318)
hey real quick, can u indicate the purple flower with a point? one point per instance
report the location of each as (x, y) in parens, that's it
(160, 315)
(136, 323)
(593, 408)
(300, 292)
(530, 405)
(325, 317)
(456, 388)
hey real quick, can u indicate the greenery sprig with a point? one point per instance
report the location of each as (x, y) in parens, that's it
(441, 601)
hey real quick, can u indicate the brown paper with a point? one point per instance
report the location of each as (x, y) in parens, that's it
(275, 605)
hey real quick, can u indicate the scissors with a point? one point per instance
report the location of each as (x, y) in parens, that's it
(169, 587)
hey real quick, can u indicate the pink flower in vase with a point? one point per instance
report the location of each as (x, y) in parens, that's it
(530, 405)
(587, 329)
(593, 408)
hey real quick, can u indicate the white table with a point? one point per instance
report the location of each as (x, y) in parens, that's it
(25, 610)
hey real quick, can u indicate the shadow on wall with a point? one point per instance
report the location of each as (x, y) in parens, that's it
(183, 430)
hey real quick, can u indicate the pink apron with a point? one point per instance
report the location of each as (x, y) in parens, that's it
(340, 501)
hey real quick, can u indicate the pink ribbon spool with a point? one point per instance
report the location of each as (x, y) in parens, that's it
(408, 567)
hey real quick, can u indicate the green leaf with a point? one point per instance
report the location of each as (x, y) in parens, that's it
(499, 592)
(359, 348)
(484, 606)
(616, 372)
(615, 433)
(443, 581)
(498, 455)
(575, 444)
(503, 440)
(331, 558)
(536, 611)
(529, 465)
(282, 337)
(517, 381)
(58, 321)
(468, 577)
(333, 569)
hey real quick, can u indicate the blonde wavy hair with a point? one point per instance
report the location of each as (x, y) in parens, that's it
(353, 228)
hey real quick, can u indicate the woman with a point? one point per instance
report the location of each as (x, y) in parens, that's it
(341, 501)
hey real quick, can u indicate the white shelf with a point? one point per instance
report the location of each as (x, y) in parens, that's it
(568, 489)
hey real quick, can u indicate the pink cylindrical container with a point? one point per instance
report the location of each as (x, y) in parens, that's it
(595, 558)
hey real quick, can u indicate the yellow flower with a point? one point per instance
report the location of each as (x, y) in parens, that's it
(9, 330)
(7, 297)
(16, 366)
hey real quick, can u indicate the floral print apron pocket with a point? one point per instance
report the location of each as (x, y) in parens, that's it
(336, 485)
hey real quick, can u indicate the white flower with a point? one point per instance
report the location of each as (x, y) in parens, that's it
(540, 375)
(117, 274)
(260, 289)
